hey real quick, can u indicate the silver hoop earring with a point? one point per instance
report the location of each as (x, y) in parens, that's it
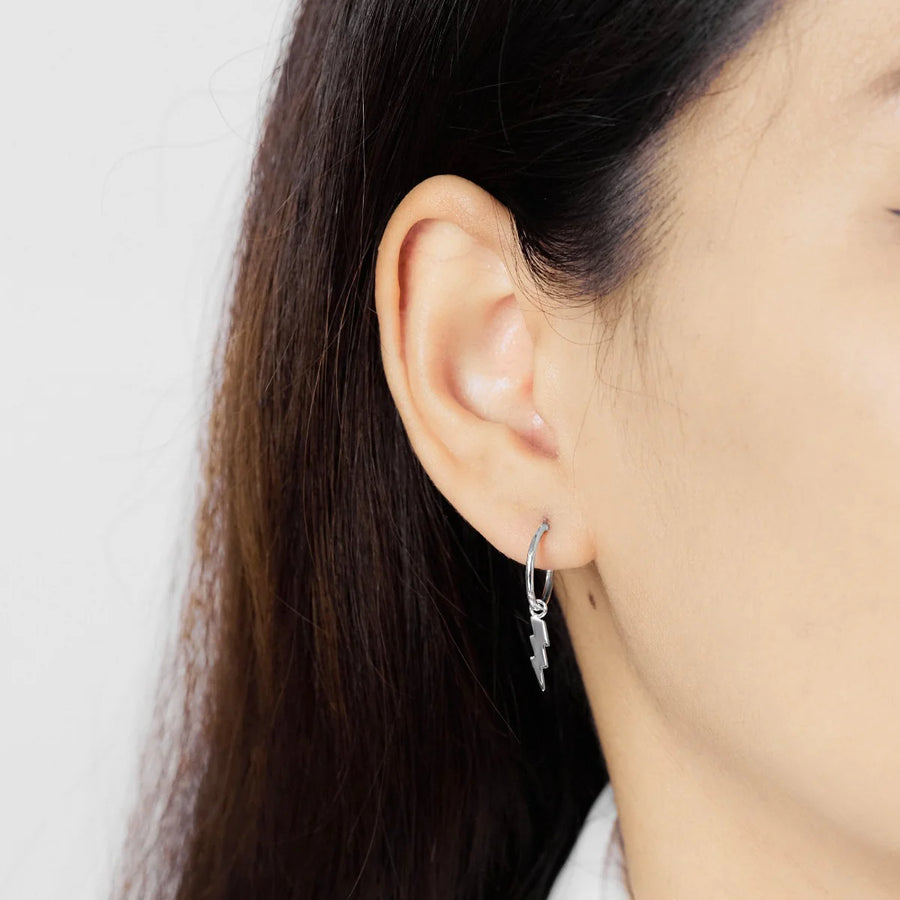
(540, 640)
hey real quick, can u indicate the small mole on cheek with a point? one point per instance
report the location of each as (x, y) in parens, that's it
(591, 598)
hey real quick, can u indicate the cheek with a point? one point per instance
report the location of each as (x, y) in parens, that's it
(753, 525)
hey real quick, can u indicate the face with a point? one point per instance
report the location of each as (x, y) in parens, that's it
(747, 509)
(724, 502)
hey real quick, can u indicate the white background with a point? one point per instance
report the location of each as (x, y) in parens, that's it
(125, 144)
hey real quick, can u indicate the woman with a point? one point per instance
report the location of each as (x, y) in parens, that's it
(612, 289)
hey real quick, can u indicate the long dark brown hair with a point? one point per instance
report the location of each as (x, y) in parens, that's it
(348, 710)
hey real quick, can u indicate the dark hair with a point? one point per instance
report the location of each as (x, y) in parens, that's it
(355, 713)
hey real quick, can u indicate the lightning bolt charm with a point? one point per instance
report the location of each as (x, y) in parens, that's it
(539, 640)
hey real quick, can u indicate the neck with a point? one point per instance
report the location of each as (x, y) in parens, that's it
(695, 822)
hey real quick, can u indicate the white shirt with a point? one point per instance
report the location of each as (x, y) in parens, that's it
(595, 868)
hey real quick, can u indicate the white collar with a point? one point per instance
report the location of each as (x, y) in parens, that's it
(595, 868)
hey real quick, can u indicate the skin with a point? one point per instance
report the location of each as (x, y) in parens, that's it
(724, 510)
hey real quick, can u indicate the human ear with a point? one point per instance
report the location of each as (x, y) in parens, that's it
(472, 365)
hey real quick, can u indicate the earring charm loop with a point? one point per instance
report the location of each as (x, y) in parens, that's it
(537, 607)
